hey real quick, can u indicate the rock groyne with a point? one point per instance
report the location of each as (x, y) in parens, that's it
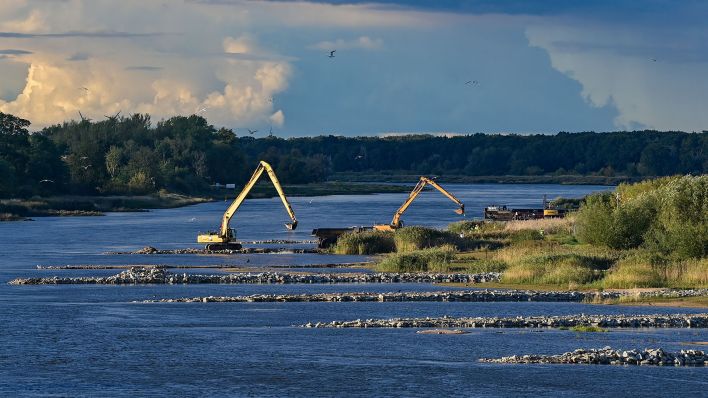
(156, 275)
(609, 356)
(604, 321)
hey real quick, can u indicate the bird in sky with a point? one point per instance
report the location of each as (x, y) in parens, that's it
(653, 60)
(251, 132)
(331, 53)
(359, 157)
(46, 181)
(202, 110)
(86, 167)
(83, 88)
(472, 82)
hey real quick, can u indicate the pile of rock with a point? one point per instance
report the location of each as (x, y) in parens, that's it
(605, 321)
(159, 275)
(608, 356)
(245, 250)
(442, 296)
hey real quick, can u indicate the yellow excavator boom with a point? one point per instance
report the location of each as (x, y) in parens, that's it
(396, 222)
(224, 235)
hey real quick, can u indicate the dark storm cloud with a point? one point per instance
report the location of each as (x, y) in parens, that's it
(80, 56)
(12, 51)
(96, 35)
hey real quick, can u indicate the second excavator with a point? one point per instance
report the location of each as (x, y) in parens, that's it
(398, 223)
(225, 238)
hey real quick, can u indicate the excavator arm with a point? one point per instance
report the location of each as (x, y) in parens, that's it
(262, 166)
(224, 239)
(396, 222)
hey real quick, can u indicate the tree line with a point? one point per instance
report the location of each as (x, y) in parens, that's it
(186, 154)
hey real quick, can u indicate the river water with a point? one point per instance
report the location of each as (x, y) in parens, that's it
(93, 341)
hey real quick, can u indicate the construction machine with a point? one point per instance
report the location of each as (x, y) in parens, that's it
(398, 223)
(225, 238)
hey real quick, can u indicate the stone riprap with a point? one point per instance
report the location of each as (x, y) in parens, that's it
(605, 321)
(441, 296)
(157, 275)
(245, 250)
(608, 356)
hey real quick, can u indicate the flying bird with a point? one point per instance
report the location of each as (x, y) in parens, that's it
(331, 53)
(251, 132)
(83, 88)
(47, 181)
(86, 167)
(201, 110)
(472, 82)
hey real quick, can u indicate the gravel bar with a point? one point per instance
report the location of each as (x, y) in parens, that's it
(608, 356)
(605, 321)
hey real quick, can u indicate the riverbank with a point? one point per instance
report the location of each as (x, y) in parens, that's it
(78, 205)
(74, 205)
(570, 179)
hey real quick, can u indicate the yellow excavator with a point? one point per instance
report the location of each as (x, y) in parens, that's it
(398, 223)
(225, 238)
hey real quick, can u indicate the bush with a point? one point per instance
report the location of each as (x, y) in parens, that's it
(367, 242)
(525, 235)
(668, 215)
(416, 238)
(426, 260)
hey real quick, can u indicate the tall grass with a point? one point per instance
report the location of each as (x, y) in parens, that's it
(553, 269)
(366, 242)
(417, 238)
(646, 269)
(436, 259)
(547, 225)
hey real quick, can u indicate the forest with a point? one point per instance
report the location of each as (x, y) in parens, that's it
(185, 154)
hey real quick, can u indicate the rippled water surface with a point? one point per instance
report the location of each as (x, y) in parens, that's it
(94, 341)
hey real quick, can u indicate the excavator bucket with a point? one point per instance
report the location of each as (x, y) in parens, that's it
(291, 225)
(461, 210)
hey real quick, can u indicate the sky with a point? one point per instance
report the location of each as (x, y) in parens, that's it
(446, 67)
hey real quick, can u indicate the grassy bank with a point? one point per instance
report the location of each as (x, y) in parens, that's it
(14, 209)
(647, 235)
